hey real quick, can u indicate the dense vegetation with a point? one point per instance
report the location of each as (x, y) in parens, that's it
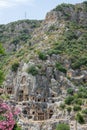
(73, 46)
(8, 116)
(63, 127)
(75, 101)
(1, 72)
(60, 67)
(42, 56)
(32, 70)
(18, 32)
(15, 66)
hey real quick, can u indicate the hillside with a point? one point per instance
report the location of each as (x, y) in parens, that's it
(45, 67)
(15, 34)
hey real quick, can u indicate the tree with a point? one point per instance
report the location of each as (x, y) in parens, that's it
(15, 66)
(63, 127)
(1, 77)
(1, 49)
(70, 91)
(32, 70)
(8, 116)
(69, 109)
(1, 72)
(42, 56)
(69, 100)
(80, 118)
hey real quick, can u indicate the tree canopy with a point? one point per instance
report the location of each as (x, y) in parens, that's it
(1, 72)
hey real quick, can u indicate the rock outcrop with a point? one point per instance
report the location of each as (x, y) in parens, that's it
(48, 68)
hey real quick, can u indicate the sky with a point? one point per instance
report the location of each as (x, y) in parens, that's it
(13, 10)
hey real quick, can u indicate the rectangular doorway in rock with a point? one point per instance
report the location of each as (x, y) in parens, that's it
(44, 100)
(26, 98)
(41, 116)
(9, 90)
(20, 96)
(50, 113)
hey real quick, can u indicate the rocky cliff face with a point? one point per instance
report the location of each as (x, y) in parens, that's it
(40, 95)
(76, 13)
(48, 68)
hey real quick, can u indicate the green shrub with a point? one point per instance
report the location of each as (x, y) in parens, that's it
(52, 28)
(1, 77)
(70, 35)
(63, 127)
(78, 101)
(70, 91)
(5, 96)
(42, 56)
(79, 63)
(76, 108)
(63, 6)
(2, 118)
(24, 37)
(80, 118)
(82, 89)
(85, 111)
(16, 127)
(69, 109)
(14, 67)
(69, 100)
(33, 70)
(82, 93)
(2, 51)
(60, 67)
(53, 51)
(39, 66)
(85, 4)
(15, 41)
(62, 105)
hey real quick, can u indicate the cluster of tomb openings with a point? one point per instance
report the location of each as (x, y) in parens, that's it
(41, 100)
(9, 90)
(41, 115)
(38, 99)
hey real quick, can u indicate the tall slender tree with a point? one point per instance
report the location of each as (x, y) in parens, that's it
(1, 72)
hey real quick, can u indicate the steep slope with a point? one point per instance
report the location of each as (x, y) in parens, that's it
(58, 29)
(66, 28)
(15, 34)
(47, 74)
